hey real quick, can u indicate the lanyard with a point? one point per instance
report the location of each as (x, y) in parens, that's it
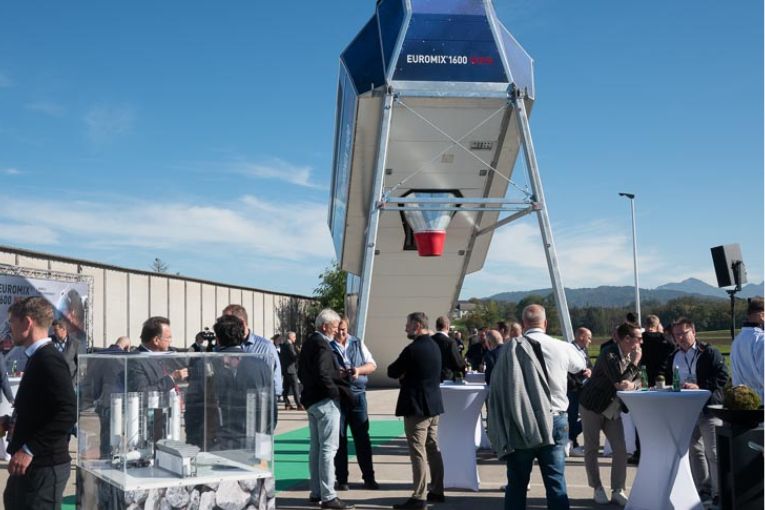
(344, 362)
(692, 365)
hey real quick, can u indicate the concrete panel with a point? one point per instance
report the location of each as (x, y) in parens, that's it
(268, 315)
(209, 307)
(158, 296)
(32, 262)
(7, 258)
(247, 300)
(177, 313)
(256, 317)
(193, 307)
(138, 304)
(235, 296)
(114, 306)
(97, 306)
(63, 267)
(222, 299)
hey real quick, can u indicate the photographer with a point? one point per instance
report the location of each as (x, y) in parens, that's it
(199, 341)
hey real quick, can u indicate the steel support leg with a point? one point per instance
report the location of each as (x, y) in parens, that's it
(373, 220)
(544, 220)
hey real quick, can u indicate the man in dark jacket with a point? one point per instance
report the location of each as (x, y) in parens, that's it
(67, 345)
(324, 385)
(418, 369)
(46, 410)
(451, 359)
(234, 377)
(656, 348)
(615, 370)
(288, 357)
(699, 366)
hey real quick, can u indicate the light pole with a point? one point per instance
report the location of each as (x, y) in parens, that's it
(631, 197)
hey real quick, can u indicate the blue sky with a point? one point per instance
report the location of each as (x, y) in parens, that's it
(202, 133)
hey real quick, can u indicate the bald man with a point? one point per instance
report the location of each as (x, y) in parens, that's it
(582, 341)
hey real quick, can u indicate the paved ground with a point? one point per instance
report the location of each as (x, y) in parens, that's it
(394, 473)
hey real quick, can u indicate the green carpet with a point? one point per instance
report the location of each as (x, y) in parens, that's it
(291, 453)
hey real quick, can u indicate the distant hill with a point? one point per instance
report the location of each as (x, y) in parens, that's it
(696, 286)
(610, 296)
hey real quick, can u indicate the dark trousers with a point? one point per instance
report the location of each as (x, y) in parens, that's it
(358, 420)
(42, 487)
(291, 385)
(574, 423)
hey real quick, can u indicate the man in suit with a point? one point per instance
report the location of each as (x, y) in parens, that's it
(45, 412)
(288, 357)
(155, 375)
(103, 379)
(451, 360)
(418, 369)
(70, 347)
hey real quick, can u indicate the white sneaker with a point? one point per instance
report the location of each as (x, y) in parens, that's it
(578, 451)
(600, 496)
(567, 449)
(619, 497)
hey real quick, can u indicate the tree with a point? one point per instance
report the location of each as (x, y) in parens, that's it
(331, 290)
(159, 266)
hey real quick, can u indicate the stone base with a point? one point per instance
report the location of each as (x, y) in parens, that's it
(252, 494)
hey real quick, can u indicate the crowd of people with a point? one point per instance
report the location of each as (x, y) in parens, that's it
(544, 394)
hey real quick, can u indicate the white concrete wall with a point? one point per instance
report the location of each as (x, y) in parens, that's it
(123, 299)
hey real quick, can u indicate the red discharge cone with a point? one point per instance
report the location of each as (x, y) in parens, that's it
(430, 243)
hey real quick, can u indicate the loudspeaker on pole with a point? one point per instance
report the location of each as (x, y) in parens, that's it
(729, 265)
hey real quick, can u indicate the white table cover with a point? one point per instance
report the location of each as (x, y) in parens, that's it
(462, 408)
(475, 377)
(664, 420)
(6, 409)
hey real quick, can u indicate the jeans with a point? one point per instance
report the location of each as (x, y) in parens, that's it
(703, 456)
(358, 420)
(552, 461)
(324, 426)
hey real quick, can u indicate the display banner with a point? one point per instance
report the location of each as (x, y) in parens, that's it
(70, 299)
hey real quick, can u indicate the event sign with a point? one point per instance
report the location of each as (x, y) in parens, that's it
(69, 298)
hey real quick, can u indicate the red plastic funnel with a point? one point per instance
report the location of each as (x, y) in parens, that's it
(430, 243)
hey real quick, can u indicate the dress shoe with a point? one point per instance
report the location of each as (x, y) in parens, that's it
(633, 460)
(410, 504)
(314, 499)
(336, 504)
(342, 486)
(371, 485)
(435, 498)
(300, 407)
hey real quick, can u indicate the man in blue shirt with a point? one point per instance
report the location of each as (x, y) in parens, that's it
(259, 345)
(353, 356)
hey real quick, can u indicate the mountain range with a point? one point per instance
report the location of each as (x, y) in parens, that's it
(611, 296)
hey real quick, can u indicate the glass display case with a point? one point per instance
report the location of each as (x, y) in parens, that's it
(174, 426)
